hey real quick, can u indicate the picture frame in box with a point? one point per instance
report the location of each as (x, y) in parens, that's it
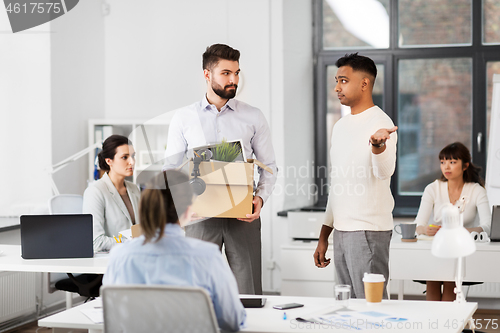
(202, 149)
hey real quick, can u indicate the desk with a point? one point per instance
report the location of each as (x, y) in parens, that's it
(10, 260)
(414, 261)
(9, 222)
(424, 316)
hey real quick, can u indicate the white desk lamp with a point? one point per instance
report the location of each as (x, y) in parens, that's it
(453, 241)
(56, 167)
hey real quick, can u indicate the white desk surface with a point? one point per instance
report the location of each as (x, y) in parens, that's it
(9, 221)
(425, 243)
(423, 316)
(10, 260)
(414, 261)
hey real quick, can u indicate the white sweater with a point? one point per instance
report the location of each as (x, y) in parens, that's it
(360, 196)
(477, 209)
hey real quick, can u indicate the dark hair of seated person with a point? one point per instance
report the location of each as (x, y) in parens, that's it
(109, 147)
(458, 151)
(166, 198)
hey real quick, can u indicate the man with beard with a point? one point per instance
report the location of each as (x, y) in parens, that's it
(216, 117)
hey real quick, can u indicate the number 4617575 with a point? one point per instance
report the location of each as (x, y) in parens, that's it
(34, 7)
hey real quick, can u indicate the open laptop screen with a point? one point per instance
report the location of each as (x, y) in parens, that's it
(56, 236)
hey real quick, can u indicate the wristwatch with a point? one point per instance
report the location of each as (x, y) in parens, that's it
(378, 145)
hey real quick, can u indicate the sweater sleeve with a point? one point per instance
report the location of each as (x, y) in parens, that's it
(426, 206)
(384, 163)
(483, 208)
(328, 221)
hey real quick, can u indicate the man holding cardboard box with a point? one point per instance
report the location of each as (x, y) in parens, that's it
(219, 117)
(360, 202)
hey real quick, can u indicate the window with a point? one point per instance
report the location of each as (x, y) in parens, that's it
(435, 60)
(434, 106)
(491, 28)
(434, 23)
(342, 27)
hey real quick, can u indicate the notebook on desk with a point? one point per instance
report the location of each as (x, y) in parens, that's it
(56, 236)
(495, 224)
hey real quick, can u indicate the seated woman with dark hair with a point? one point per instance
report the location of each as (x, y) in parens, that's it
(461, 185)
(163, 255)
(112, 200)
(113, 203)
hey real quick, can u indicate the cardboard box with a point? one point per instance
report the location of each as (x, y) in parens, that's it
(136, 230)
(133, 232)
(229, 191)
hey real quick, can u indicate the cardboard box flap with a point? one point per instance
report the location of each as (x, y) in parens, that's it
(136, 230)
(260, 164)
(224, 173)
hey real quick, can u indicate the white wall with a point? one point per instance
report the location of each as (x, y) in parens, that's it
(153, 52)
(25, 105)
(153, 66)
(293, 124)
(77, 45)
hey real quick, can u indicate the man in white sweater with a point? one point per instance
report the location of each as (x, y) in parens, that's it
(360, 202)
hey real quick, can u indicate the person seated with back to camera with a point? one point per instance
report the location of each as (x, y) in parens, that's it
(112, 200)
(163, 255)
(461, 185)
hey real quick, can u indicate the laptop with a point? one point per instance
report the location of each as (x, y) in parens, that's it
(56, 236)
(495, 224)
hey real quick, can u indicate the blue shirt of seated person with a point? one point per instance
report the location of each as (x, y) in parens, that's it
(163, 255)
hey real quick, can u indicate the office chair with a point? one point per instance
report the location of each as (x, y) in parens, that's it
(86, 285)
(66, 204)
(157, 308)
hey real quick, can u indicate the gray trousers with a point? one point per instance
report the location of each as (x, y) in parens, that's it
(357, 252)
(242, 243)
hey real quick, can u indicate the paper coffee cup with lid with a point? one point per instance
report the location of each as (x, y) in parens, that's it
(374, 287)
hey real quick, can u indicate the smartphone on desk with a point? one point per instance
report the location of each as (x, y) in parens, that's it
(288, 306)
(258, 302)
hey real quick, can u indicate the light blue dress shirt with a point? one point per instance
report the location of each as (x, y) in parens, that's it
(201, 124)
(180, 261)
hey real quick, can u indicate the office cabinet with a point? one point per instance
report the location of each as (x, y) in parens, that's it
(300, 277)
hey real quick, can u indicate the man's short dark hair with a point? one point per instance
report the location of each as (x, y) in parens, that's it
(216, 52)
(358, 63)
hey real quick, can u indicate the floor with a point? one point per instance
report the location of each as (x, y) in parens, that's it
(488, 319)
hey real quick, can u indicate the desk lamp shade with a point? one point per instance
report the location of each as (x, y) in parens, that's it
(452, 240)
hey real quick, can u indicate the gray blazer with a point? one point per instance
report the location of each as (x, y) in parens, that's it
(110, 215)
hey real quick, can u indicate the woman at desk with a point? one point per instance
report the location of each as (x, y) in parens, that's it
(462, 186)
(112, 200)
(163, 255)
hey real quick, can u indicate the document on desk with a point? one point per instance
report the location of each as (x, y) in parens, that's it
(350, 319)
(424, 237)
(126, 233)
(94, 314)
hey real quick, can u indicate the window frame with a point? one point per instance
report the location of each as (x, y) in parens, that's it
(481, 54)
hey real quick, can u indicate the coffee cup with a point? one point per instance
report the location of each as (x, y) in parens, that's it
(407, 230)
(374, 287)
